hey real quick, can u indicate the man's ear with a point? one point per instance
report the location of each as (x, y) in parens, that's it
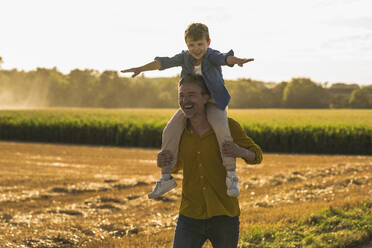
(209, 42)
(206, 98)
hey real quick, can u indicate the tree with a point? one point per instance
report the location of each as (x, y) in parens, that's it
(361, 98)
(58, 88)
(342, 88)
(112, 88)
(82, 88)
(247, 93)
(303, 93)
(340, 94)
(275, 99)
(339, 101)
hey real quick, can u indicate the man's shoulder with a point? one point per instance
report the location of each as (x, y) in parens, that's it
(236, 130)
(232, 121)
(233, 124)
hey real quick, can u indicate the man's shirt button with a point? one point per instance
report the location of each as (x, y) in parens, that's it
(204, 188)
(200, 165)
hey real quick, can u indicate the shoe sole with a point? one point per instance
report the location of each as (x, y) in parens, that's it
(172, 187)
(233, 194)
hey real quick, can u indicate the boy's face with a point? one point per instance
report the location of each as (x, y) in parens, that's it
(197, 48)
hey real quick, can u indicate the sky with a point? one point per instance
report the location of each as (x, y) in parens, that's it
(325, 40)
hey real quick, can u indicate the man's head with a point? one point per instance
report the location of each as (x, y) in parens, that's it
(193, 95)
(197, 40)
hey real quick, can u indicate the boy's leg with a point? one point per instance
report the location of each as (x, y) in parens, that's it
(170, 141)
(219, 122)
(171, 138)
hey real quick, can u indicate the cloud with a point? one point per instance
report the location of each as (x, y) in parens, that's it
(217, 13)
(359, 22)
(366, 37)
(356, 47)
(333, 3)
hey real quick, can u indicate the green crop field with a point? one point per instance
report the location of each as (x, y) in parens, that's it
(275, 130)
(244, 116)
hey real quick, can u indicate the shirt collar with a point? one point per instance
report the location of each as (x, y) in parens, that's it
(209, 50)
(189, 131)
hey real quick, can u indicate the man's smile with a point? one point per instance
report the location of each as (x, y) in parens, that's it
(188, 106)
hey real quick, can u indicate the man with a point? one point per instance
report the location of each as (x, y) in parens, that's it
(206, 211)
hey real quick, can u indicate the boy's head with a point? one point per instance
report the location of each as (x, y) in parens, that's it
(197, 40)
(197, 31)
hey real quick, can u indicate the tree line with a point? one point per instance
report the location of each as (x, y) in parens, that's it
(89, 88)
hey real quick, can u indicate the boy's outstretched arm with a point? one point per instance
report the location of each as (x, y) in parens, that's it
(154, 65)
(232, 60)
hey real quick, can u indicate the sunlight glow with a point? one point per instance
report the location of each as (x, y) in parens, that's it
(321, 39)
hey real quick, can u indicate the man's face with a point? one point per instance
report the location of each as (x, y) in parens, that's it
(191, 100)
(197, 48)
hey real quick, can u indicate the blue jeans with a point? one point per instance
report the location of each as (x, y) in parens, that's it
(222, 231)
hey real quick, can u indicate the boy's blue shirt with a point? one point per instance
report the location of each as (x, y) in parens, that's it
(211, 70)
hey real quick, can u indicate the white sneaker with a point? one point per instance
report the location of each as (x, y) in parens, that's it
(163, 186)
(232, 184)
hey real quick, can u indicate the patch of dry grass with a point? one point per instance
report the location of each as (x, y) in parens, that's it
(89, 196)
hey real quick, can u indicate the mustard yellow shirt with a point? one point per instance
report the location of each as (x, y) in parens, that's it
(203, 185)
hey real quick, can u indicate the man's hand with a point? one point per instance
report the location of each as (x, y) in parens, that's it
(230, 149)
(135, 70)
(164, 158)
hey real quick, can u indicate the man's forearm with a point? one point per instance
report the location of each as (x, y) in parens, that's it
(247, 154)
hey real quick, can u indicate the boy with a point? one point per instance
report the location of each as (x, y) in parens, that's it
(202, 60)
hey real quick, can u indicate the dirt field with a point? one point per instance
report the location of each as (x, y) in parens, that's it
(85, 196)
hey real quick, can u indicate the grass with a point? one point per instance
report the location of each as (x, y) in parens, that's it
(94, 196)
(314, 117)
(328, 228)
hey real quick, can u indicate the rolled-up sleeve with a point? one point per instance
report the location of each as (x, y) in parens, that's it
(242, 140)
(218, 58)
(168, 62)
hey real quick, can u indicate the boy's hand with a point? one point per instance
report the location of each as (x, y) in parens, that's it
(232, 60)
(230, 149)
(241, 62)
(135, 70)
(164, 158)
(154, 65)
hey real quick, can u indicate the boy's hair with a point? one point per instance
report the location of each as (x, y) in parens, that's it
(196, 31)
(195, 79)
